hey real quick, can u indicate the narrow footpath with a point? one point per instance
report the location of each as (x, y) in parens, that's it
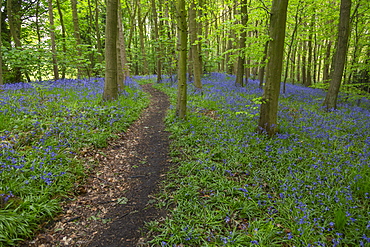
(118, 197)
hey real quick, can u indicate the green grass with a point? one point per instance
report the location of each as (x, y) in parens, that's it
(308, 186)
(43, 127)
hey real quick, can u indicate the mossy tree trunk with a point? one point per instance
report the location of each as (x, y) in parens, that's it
(330, 101)
(269, 107)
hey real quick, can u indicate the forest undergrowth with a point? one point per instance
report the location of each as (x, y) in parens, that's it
(43, 127)
(307, 186)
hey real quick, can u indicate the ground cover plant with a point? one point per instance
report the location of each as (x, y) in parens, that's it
(43, 126)
(308, 186)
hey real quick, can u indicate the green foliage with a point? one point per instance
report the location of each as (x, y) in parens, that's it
(252, 108)
(42, 129)
(350, 92)
(233, 187)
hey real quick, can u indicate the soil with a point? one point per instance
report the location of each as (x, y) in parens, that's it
(111, 207)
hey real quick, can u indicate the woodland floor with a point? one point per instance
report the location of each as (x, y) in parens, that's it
(111, 207)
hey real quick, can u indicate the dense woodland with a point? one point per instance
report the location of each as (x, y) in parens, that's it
(68, 38)
(230, 68)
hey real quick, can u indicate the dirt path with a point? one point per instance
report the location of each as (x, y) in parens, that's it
(117, 198)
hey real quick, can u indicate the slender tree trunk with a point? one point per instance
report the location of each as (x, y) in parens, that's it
(340, 55)
(293, 64)
(298, 66)
(183, 36)
(315, 59)
(110, 85)
(14, 21)
(356, 48)
(291, 46)
(200, 27)
(1, 45)
(141, 25)
(270, 98)
(97, 31)
(158, 44)
(310, 51)
(91, 65)
(38, 33)
(304, 63)
(76, 33)
(242, 44)
(319, 61)
(52, 39)
(327, 60)
(64, 47)
(261, 73)
(122, 66)
(194, 47)
(230, 45)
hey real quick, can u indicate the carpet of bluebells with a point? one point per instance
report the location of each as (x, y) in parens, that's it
(307, 186)
(43, 126)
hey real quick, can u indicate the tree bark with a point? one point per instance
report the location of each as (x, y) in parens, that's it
(268, 112)
(122, 66)
(242, 44)
(261, 73)
(38, 33)
(194, 46)
(52, 39)
(1, 45)
(14, 21)
(304, 63)
(290, 47)
(183, 40)
(330, 101)
(76, 33)
(326, 70)
(310, 52)
(157, 42)
(110, 86)
(97, 31)
(141, 25)
(64, 47)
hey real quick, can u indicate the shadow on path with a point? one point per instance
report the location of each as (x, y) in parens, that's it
(149, 162)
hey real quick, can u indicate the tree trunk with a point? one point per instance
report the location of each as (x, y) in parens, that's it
(76, 33)
(326, 71)
(268, 112)
(183, 36)
(304, 63)
(52, 39)
(64, 47)
(14, 21)
(310, 51)
(110, 85)
(194, 47)
(242, 44)
(1, 45)
(330, 101)
(157, 42)
(38, 33)
(298, 65)
(261, 73)
(122, 65)
(290, 47)
(230, 45)
(141, 25)
(97, 31)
